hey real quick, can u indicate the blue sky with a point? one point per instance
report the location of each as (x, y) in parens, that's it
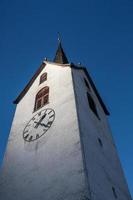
(99, 34)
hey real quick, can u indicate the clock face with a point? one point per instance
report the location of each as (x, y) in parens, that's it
(38, 125)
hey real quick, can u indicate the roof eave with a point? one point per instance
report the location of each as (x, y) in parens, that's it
(29, 84)
(93, 86)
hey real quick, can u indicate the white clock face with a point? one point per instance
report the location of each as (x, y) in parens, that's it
(38, 125)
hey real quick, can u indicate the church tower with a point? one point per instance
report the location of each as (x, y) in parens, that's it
(60, 146)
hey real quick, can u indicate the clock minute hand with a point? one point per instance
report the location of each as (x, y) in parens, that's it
(46, 125)
(39, 122)
(42, 118)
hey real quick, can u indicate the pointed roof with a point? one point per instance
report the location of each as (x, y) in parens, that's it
(60, 56)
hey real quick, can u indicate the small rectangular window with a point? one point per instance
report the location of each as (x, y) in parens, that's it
(43, 77)
(87, 84)
(100, 142)
(92, 105)
(114, 192)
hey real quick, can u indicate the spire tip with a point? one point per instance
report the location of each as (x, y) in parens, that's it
(59, 37)
(60, 56)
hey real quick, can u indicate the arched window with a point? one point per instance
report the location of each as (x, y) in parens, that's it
(43, 77)
(42, 98)
(92, 105)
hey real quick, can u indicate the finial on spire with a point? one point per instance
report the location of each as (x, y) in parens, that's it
(60, 56)
(59, 37)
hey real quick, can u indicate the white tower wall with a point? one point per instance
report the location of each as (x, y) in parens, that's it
(52, 166)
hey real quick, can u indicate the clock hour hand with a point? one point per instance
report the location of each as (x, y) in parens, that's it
(46, 125)
(38, 123)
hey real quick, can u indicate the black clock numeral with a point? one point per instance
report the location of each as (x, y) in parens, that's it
(49, 123)
(30, 138)
(50, 111)
(37, 136)
(25, 137)
(26, 131)
(39, 113)
(51, 116)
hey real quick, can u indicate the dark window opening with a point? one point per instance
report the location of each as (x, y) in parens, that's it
(114, 192)
(43, 78)
(86, 83)
(45, 99)
(100, 142)
(38, 104)
(92, 105)
(42, 98)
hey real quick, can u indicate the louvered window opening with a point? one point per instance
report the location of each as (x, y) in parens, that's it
(42, 98)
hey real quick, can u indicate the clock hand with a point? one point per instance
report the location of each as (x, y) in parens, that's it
(43, 125)
(37, 123)
(42, 118)
(46, 125)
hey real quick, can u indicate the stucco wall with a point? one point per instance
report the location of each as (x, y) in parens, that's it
(52, 166)
(102, 165)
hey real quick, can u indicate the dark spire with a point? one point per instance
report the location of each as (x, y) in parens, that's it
(60, 56)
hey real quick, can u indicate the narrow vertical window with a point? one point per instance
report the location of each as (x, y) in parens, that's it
(43, 77)
(42, 98)
(87, 84)
(114, 192)
(100, 142)
(92, 105)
